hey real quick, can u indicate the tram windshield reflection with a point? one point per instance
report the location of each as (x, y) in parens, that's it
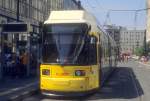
(63, 43)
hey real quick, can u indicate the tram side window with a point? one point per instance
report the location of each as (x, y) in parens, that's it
(93, 50)
(105, 51)
(100, 50)
(110, 52)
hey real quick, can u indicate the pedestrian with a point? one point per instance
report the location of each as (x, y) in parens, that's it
(24, 62)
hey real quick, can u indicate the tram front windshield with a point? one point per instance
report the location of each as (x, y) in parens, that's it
(63, 43)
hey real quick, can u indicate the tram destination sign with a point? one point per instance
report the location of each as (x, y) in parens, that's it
(15, 28)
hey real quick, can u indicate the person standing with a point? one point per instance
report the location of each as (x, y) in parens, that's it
(24, 61)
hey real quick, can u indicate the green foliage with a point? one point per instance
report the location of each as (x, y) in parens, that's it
(139, 51)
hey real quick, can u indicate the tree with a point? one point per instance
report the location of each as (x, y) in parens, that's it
(139, 51)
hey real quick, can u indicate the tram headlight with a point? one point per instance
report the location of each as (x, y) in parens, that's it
(79, 73)
(45, 72)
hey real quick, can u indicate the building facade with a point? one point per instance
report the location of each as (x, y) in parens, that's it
(131, 39)
(32, 11)
(29, 10)
(64, 5)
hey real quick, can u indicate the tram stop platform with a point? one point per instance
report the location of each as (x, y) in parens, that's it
(17, 88)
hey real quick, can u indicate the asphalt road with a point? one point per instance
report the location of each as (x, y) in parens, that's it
(143, 77)
(125, 84)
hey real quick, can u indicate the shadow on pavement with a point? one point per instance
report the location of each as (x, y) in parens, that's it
(12, 87)
(122, 84)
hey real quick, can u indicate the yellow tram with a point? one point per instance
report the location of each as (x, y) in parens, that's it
(77, 55)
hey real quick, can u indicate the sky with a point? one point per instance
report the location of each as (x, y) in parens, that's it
(100, 9)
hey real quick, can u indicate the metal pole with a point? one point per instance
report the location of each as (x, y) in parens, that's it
(28, 54)
(1, 55)
(38, 61)
(79, 5)
(18, 10)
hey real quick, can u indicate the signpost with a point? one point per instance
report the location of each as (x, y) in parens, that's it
(16, 28)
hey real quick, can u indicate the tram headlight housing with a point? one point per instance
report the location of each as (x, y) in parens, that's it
(79, 73)
(45, 72)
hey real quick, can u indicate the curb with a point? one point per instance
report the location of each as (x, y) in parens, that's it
(24, 95)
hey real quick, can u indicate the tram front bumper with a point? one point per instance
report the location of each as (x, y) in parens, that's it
(60, 94)
(64, 84)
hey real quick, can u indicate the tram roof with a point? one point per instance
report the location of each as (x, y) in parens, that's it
(72, 16)
(67, 16)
